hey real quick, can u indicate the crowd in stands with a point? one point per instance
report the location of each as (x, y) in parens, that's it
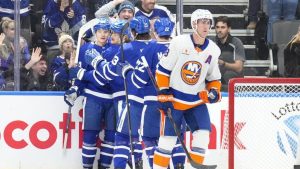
(55, 24)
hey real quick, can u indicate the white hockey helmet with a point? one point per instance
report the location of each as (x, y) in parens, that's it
(201, 14)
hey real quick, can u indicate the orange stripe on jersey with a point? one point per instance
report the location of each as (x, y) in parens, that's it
(162, 122)
(198, 49)
(162, 81)
(160, 160)
(182, 106)
(197, 158)
(214, 84)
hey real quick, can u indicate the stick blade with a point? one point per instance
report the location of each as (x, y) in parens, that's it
(202, 166)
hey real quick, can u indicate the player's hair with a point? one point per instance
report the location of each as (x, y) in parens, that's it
(223, 19)
(143, 36)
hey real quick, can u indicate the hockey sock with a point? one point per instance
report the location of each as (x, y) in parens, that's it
(150, 145)
(161, 159)
(138, 151)
(178, 155)
(107, 149)
(121, 150)
(197, 154)
(89, 148)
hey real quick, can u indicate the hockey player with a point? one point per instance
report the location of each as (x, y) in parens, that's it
(150, 122)
(140, 27)
(97, 103)
(188, 78)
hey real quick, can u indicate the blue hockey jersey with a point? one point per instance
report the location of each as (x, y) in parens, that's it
(132, 52)
(102, 91)
(158, 11)
(7, 8)
(140, 77)
(55, 22)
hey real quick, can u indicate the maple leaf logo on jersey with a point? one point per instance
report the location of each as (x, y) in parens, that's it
(190, 72)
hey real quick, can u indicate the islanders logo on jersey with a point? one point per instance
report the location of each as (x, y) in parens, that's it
(190, 72)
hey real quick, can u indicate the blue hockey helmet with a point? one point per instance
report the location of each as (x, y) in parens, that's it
(103, 23)
(117, 26)
(163, 26)
(140, 24)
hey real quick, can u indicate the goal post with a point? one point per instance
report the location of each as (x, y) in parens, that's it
(263, 123)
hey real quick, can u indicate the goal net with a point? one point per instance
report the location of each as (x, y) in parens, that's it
(264, 121)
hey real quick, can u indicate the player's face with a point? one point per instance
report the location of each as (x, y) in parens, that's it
(102, 36)
(203, 27)
(222, 30)
(115, 38)
(148, 5)
(67, 46)
(126, 14)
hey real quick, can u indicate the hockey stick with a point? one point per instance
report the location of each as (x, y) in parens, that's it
(192, 162)
(66, 133)
(82, 31)
(126, 96)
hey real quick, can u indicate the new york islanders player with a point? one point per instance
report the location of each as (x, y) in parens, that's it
(140, 27)
(150, 122)
(188, 78)
(97, 106)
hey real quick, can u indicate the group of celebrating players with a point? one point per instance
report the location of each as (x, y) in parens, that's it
(132, 79)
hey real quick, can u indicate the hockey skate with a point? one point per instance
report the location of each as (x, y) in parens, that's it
(138, 164)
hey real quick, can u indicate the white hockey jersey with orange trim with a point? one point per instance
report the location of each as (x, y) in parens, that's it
(186, 70)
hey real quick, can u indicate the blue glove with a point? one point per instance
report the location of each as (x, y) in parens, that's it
(93, 57)
(212, 96)
(71, 95)
(122, 68)
(165, 99)
(76, 72)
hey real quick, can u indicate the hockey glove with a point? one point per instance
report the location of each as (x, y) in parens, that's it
(76, 72)
(71, 95)
(123, 68)
(93, 57)
(165, 98)
(209, 97)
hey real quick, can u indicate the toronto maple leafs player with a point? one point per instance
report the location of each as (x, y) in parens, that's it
(150, 121)
(97, 106)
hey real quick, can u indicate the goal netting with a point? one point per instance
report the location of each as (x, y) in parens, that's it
(263, 124)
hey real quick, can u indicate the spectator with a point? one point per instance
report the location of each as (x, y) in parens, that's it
(279, 9)
(34, 75)
(92, 6)
(7, 10)
(59, 65)
(125, 11)
(151, 10)
(58, 19)
(232, 56)
(292, 57)
(7, 53)
(254, 7)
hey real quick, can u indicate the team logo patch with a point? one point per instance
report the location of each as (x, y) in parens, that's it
(190, 72)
